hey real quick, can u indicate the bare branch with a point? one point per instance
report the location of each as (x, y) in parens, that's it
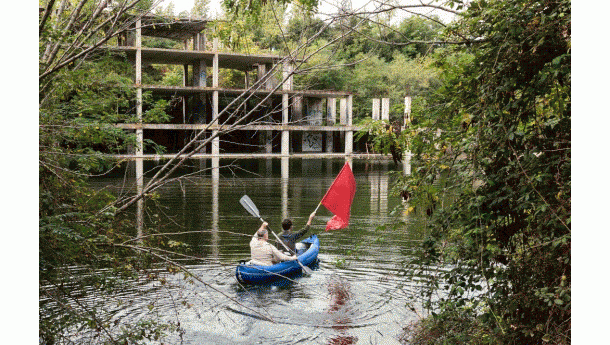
(64, 32)
(49, 70)
(86, 26)
(391, 7)
(45, 16)
(185, 270)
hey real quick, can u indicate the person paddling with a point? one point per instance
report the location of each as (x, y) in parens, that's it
(290, 238)
(262, 252)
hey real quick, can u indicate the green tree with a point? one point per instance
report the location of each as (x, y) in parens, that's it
(418, 29)
(498, 141)
(200, 9)
(83, 92)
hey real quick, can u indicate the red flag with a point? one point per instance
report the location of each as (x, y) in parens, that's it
(339, 197)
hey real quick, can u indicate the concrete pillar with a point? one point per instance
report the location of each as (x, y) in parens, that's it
(185, 72)
(285, 134)
(261, 71)
(407, 120)
(406, 165)
(130, 39)
(200, 75)
(296, 117)
(268, 139)
(288, 78)
(215, 144)
(342, 116)
(349, 135)
(286, 86)
(138, 82)
(331, 111)
(385, 109)
(297, 109)
(343, 111)
(375, 109)
(262, 82)
(215, 81)
(139, 131)
(331, 115)
(215, 66)
(199, 41)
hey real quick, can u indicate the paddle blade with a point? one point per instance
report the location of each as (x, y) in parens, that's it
(306, 270)
(247, 203)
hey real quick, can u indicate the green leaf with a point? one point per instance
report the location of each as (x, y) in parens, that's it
(558, 301)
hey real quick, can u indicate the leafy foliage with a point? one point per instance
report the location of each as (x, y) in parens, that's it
(372, 60)
(80, 103)
(254, 8)
(499, 131)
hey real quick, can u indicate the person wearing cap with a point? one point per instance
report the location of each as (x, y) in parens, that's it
(290, 238)
(264, 253)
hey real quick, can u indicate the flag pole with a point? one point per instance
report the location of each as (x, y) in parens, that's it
(316, 210)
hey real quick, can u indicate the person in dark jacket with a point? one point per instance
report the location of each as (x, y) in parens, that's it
(288, 237)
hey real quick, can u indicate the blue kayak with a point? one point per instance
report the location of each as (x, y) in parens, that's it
(256, 274)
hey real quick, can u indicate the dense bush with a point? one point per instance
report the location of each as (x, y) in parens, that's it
(504, 149)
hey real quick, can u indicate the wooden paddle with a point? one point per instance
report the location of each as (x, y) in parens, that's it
(247, 203)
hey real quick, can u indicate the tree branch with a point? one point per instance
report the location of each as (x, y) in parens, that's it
(45, 17)
(185, 270)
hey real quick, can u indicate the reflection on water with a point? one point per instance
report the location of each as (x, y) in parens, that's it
(140, 203)
(285, 181)
(379, 181)
(339, 291)
(215, 235)
(353, 297)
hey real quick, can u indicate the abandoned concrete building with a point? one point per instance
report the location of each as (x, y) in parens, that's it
(263, 117)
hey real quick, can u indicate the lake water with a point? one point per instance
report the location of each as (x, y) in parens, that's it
(355, 295)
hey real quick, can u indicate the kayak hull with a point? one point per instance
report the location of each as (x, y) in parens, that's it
(256, 274)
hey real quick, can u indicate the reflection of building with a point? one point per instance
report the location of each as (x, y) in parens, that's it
(267, 117)
(379, 191)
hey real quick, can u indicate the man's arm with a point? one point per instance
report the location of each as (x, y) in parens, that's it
(306, 227)
(279, 256)
(263, 226)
